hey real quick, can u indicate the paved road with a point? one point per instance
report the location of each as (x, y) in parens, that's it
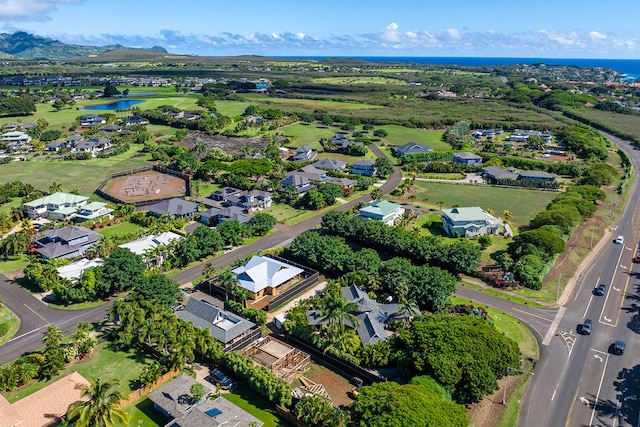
(578, 381)
(35, 317)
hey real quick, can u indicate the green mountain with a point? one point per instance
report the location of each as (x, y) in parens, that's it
(21, 45)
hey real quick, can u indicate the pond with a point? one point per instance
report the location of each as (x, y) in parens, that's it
(115, 105)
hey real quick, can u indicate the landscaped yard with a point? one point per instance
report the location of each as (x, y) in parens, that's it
(121, 229)
(13, 263)
(142, 413)
(256, 405)
(9, 324)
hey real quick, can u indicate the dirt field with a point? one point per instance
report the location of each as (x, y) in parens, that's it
(145, 186)
(336, 385)
(230, 145)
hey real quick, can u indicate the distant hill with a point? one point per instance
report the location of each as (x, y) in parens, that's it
(21, 45)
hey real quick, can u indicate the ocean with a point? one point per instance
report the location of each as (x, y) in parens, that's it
(631, 67)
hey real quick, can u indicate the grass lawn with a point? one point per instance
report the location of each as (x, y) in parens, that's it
(308, 134)
(206, 188)
(400, 135)
(502, 295)
(142, 413)
(231, 108)
(523, 204)
(16, 202)
(13, 263)
(351, 80)
(106, 364)
(9, 325)
(123, 228)
(256, 405)
(79, 306)
(83, 175)
(311, 103)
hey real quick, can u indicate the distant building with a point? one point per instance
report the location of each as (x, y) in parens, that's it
(469, 159)
(469, 222)
(92, 120)
(134, 121)
(304, 154)
(176, 207)
(330, 164)
(410, 148)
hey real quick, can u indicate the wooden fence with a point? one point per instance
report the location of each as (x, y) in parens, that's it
(137, 394)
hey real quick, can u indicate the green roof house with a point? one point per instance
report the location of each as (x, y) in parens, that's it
(382, 210)
(469, 222)
(93, 210)
(55, 206)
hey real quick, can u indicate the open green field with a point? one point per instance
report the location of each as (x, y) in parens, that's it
(9, 324)
(83, 175)
(624, 123)
(13, 263)
(123, 228)
(105, 364)
(312, 103)
(308, 134)
(359, 80)
(523, 204)
(400, 135)
(256, 405)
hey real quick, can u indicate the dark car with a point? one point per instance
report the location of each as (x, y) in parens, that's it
(600, 290)
(585, 328)
(618, 347)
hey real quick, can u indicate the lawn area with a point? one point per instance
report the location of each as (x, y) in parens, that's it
(142, 413)
(13, 263)
(83, 175)
(106, 364)
(231, 108)
(312, 103)
(123, 228)
(16, 202)
(308, 134)
(9, 324)
(205, 188)
(256, 405)
(524, 204)
(400, 135)
(290, 216)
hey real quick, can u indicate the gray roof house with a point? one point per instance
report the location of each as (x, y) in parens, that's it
(411, 148)
(231, 330)
(174, 400)
(215, 216)
(299, 182)
(224, 192)
(469, 222)
(364, 167)
(312, 173)
(494, 172)
(536, 176)
(69, 242)
(330, 164)
(304, 154)
(92, 120)
(251, 200)
(177, 207)
(469, 159)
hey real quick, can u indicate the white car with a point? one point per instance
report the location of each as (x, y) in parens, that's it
(619, 240)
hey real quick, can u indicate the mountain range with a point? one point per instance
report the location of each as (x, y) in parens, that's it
(22, 45)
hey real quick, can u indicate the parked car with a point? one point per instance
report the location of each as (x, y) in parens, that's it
(585, 328)
(618, 347)
(218, 377)
(619, 240)
(600, 290)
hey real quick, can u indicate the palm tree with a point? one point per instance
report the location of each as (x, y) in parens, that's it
(16, 243)
(17, 214)
(228, 281)
(209, 271)
(101, 409)
(183, 348)
(341, 340)
(55, 187)
(337, 310)
(203, 338)
(407, 310)
(507, 215)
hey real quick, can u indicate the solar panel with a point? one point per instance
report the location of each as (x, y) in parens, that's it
(213, 412)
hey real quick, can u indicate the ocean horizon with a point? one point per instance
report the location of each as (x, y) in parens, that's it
(631, 67)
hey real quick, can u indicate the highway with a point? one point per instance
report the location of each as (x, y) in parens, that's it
(578, 381)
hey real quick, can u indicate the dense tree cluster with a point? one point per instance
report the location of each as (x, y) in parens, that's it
(206, 123)
(585, 142)
(317, 411)
(16, 106)
(458, 135)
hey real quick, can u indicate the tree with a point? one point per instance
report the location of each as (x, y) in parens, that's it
(227, 281)
(317, 411)
(53, 355)
(187, 251)
(261, 223)
(198, 392)
(380, 133)
(376, 194)
(535, 142)
(507, 214)
(110, 90)
(158, 287)
(122, 270)
(232, 232)
(330, 192)
(101, 407)
(209, 241)
(383, 167)
(335, 310)
(55, 187)
(15, 244)
(16, 106)
(311, 200)
(183, 348)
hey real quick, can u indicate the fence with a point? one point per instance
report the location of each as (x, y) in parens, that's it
(137, 394)
(310, 279)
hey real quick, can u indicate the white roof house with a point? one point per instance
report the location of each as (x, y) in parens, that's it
(262, 272)
(75, 269)
(142, 245)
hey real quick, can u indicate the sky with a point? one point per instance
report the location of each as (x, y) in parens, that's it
(498, 28)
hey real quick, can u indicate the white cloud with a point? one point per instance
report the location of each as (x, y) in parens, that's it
(300, 35)
(597, 36)
(30, 10)
(454, 33)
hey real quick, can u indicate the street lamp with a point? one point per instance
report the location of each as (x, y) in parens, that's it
(506, 381)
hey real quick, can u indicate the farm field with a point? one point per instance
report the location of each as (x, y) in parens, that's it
(523, 204)
(312, 103)
(628, 124)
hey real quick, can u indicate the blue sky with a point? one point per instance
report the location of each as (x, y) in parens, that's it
(544, 29)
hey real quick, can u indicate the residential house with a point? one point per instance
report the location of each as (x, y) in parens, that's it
(92, 145)
(364, 167)
(330, 164)
(537, 176)
(68, 242)
(252, 200)
(254, 156)
(74, 270)
(92, 120)
(469, 222)
(93, 210)
(222, 194)
(265, 276)
(56, 146)
(304, 154)
(19, 147)
(214, 216)
(229, 329)
(382, 210)
(342, 182)
(135, 121)
(147, 247)
(16, 136)
(173, 400)
(176, 207)
(469, 159)
(312, 173)
(342, 142)
(297, 182)
(110, 129)
(55, 206)
(497, 173)
(410, 148)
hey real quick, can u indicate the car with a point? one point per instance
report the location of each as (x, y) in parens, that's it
(600, 290)
(618, 347)
(619, 240)
(585, 328)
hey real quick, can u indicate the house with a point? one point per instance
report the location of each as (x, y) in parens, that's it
(135, 121)
(146, 246)
(110, 129)
(19, 147)
(364, 167)
(92, 120)
(252, 200)
(469, 159)
(214, 216)
(16, 136)
(469, 222)
(55, 206)
(74, 270)
(93, 210)
(537, 176)
(176, 207)
(299, 183)
(174, 401)
(410, 148)
(342, 182)
(56, 146)
(92, 145)
(45, 407)
(229, 329)
(68, 242)
(342, 142)
(382, 210)
(330, 164)
(263, 275)
(222, 194)
(304, 154)
(496, 173)
(312, 173)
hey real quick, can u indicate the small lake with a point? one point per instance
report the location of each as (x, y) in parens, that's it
(115, 105)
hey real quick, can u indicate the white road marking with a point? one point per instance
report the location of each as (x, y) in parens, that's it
(553, 396)
(28, 333)
(606, 319)
(598, 358)
(616, 289)
(35, 312)
(595, 402)
(588, 305)
(554, 325)
(606, 298)
(584, 400)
